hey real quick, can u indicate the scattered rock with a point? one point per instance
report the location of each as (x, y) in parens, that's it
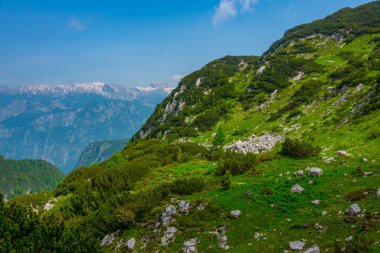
(167, 216)
(313, 249)
(298, 173)
(184, 207)
(315, 202)
(315, 172)
(201, 206)
(378, 193)
(365, 160)
(131, 243)
(222, 242)
(190, 246)
(296, 245)
(297, 188)
(235, 214)
(353, 209)
(324, 213)
(343, 153)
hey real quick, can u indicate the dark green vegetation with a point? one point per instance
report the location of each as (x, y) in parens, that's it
(318, 90)
(22, 176)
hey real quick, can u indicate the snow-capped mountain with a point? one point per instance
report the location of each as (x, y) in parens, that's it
(56, 123)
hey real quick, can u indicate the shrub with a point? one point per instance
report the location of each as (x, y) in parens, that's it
(219, 138)
(236, 163)
(226, 181)
(297, 148)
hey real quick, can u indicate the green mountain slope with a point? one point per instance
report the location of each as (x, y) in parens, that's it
(99, 151)
(27, 176)
(311, 101)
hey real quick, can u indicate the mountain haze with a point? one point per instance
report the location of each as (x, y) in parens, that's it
(57, 123)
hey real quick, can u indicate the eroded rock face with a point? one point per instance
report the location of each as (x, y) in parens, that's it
(353, 209)
(255, 144)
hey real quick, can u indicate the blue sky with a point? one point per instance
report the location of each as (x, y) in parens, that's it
(137, 43)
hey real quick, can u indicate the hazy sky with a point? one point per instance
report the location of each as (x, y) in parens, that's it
(139, 42)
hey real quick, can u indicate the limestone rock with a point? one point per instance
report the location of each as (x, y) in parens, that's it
(296, 245)
(343, 153)
(131, 243)
(353, 209)
(235, 214)
(313, 249)
(298, 173)
(184, 206)
(315, 202)
(190, 246)
(315, 172)
(297, 188)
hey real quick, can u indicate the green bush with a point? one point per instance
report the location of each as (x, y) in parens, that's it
(297, 148)
(236, 163)
(226, 181)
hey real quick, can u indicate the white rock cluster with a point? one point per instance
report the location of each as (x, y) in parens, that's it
(255, 144)
(190, 245)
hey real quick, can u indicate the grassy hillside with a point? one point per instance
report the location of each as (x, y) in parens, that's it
(311, 101)
(27, 176)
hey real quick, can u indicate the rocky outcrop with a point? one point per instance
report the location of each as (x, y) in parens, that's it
(255, 144)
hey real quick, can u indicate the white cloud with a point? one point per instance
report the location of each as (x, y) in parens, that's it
(177, 78)
(228, 9)
(75, 23)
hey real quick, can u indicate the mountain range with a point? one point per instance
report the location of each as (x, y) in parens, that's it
(56, 123)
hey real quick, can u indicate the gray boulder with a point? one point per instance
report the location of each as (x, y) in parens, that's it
(313, 249)
(296, 245)
(343, 153)
(184, 206)
(131, 243)
(298, 173)
(315, 172)
(315, 202)
(235, 214)
(297, 188)
(353, 209)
